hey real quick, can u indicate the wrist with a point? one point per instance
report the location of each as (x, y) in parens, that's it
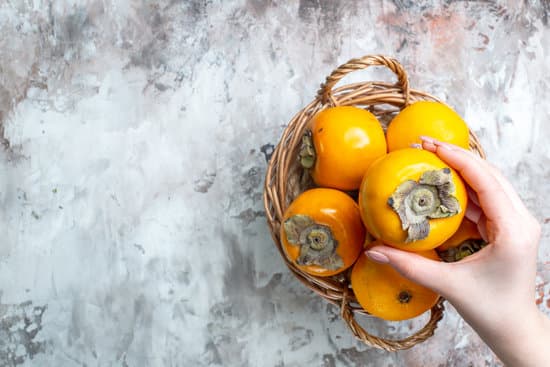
(522, 339)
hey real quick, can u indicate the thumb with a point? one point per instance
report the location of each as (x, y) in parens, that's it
(429, 273)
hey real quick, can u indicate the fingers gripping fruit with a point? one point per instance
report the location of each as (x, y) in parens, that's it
(427, 118)
(385, 293)
(412, 200)
(322, 232)
(340, 145)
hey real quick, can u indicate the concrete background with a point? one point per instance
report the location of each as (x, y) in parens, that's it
(134, 140)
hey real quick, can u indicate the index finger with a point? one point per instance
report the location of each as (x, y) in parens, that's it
(507, 187)
(492, 197)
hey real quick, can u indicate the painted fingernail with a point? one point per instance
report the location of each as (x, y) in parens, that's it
(416, 146)
(427, 139)
(378, 257)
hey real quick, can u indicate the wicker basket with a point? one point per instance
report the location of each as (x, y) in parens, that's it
(286, 179)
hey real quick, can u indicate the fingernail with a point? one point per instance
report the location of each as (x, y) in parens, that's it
(416, 146)
(378, 257)
(427, 139)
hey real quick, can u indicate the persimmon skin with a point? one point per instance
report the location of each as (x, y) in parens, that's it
(340, 213)
(380, 182)
(385, 293)
(427, 118)
(346, 140)
(467, 231)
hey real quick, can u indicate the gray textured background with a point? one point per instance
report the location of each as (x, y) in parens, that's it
(134, 139)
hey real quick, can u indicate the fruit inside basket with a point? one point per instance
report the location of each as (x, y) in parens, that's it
(344, 173)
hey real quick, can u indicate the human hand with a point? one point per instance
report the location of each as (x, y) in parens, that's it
(493, 289)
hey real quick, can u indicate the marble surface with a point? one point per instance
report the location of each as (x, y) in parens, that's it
(134, 137)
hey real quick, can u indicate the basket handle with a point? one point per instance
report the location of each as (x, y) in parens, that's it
(325, 92)
(436, 314)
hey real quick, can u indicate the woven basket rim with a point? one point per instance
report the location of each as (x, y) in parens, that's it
(283, 164)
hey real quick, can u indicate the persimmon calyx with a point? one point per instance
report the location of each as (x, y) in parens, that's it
(307, 151)
(461, 251)
(404, 297)
(417, 202)
(316, 241)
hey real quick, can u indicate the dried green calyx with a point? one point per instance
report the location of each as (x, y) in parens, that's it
(316, 241)
(307, 151)
(417, 202)
(461, 251)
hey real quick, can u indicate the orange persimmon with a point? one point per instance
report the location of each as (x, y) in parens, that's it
(339, 146)
(412, 200)
(321, 232)
(385, 293)
(428, 118)
(466, 241)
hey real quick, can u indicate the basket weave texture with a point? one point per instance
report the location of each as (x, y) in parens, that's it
(286, 179)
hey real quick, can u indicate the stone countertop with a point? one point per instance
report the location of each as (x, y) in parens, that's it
(134, 139)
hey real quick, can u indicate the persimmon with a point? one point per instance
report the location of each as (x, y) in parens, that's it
(321, 232)
(428, 118)
(412, 200)
(340, 144)
(466, 241)
(386, 294)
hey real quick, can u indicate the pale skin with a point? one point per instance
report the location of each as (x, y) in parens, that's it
(494, 289)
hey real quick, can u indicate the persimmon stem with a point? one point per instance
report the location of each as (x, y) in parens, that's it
(307, 151)
(417, 202)
(461, 251)
(404, 297)
(316, 241)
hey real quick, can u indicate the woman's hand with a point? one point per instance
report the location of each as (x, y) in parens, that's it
(493, 289)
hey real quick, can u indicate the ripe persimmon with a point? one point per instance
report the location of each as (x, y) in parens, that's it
(321, 232)
(340, 144)
(412, 200)
(430, 119)
(386, 294)
(466, 241)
